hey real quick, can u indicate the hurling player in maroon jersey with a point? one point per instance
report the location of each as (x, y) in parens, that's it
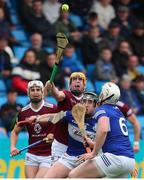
(38, 158)
(66, 100)
(129, 114)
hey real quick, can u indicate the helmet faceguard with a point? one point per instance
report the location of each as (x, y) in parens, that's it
(90, 96)
(90, 100)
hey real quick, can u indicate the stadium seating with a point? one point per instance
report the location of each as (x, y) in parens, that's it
(19, 51)
(24, 100)
(15, 19)
(76, 20)
(131, 128)
(51, 99)
(2, 135)
(79, 55)
(140, 69)
(20, 35)
(49, 49)
(23, 135)
(90, 69)
(3, 100)
(90, 86)
(141, 121)
(2, 87)
(98, 85)
(13, 4)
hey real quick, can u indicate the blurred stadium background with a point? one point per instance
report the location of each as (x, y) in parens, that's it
(106, 42)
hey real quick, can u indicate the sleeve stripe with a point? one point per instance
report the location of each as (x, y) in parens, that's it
(99, 113)
(129, 112)
(46, 104)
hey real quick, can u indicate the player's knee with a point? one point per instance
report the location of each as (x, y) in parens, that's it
(72, 174)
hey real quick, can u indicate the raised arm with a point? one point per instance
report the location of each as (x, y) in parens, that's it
(54, 118)
(58, 95)
(33, 119)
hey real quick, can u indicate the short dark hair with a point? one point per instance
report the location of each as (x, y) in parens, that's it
(92, 15)
(105, 48)
(139, 25)
(36, 1)
(123, 9)
(70, 45)
(114, 25)
(2, 38)
(12, 90)
(139, 78)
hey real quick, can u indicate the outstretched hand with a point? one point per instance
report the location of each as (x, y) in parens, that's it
(136, 148)
(50, 138)
(134, 173)
(88, 141)
(14, 151)
(48, 87)
(27, 121)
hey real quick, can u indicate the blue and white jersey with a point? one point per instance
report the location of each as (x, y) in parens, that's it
(75, 140)
(117, 140)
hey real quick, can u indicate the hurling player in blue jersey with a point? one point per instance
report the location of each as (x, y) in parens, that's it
(117, 159)
(68, 161)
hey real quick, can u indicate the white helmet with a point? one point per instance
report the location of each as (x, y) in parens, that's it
(35, 83)
(110, 93)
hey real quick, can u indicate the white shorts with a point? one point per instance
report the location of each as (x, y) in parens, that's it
(34, 160)
(114, 166)
(57, 150)
(69, 161)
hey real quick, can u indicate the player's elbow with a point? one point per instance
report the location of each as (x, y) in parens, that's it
(14, 133)
(73, 174)
(136, 124)
(59, 96)
(104, 130)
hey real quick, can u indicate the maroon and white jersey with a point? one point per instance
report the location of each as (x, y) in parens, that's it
(125, 109)
(70, 100)
(39, 130)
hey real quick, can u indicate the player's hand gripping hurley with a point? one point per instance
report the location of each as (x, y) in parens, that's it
(48, 139)
(78, 112)
(62, 42)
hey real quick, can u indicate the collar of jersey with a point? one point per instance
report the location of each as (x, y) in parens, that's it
(36, 110)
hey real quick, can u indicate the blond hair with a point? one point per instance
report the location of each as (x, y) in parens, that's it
(78, 74)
